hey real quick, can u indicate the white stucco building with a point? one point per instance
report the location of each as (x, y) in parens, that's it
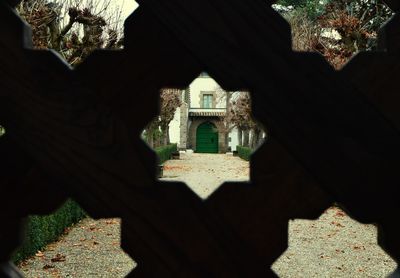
(197, 123)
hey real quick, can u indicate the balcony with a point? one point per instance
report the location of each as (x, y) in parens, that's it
(208, 112)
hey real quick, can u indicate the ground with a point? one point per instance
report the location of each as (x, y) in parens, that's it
(204, 173)
(333, 246)
(89, 249)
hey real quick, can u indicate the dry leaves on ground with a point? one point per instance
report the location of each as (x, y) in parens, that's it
(58, 258)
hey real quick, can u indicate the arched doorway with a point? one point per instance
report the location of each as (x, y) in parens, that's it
(207, 138)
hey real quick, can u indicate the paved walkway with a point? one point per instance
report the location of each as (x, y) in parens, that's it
(333, 246)
(204, 173)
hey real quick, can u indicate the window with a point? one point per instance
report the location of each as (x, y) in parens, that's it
(207, 100)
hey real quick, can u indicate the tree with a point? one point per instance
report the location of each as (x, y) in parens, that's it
(157, 131)
(225, 122)
(170, 101)
(72, 28)
(241, 118)
(355, 22)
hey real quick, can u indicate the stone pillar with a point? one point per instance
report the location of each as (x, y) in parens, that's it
(183, 127)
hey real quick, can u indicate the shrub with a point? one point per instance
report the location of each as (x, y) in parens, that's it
(164, 152)
(244, 152)
(42, 230)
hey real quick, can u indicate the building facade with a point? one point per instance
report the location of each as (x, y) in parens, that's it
(198, 122)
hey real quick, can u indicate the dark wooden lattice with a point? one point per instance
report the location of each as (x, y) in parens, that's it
(75, 133)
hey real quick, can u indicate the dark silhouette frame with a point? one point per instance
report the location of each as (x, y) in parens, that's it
(333, 136)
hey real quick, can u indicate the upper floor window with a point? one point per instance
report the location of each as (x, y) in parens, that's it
(207, 100)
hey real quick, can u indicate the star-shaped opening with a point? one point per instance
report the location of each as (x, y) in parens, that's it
(204, 135)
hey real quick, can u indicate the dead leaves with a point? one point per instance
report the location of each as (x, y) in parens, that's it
(176, 167)
(337, 224)
(112, 221)
(48, 266)
(39, 254)
(58, 258)
(340, 214)
(358, 247)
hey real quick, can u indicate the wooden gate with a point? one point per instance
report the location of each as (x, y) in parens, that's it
(206, 138)
(333, 136)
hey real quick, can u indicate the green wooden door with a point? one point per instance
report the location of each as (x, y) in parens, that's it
(207, 138)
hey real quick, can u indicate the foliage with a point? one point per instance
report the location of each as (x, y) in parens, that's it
(170, 101)
(41, 230)
(311, 8)
(355, 22)
(305, 33)
(295, 3)
(244, 152)
(72, 28)
(240, 112)
(164, 152)
(238, 115)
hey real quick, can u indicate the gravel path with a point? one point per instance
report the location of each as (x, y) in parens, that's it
(90, 249)
(204, 173)
(333, 246)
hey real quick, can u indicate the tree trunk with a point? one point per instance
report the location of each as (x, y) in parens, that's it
(261, 138)
(168, 139)
(240, 137)
(255, 138)
(159, 140)
(164, 135)
(150, 139)
(164, 139)
(226, 142)
(252, 137)
(246, 135)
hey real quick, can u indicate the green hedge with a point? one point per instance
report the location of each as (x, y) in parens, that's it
(244, 152)
(42, 230)
(164, 153)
